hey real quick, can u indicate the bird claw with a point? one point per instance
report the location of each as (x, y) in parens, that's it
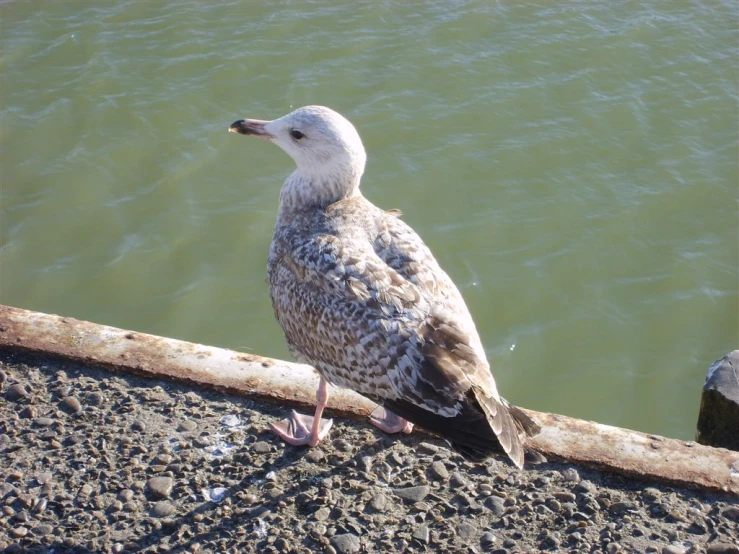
(298, 429)
(387, 421)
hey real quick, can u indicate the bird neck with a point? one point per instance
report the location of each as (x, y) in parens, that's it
(301, 192)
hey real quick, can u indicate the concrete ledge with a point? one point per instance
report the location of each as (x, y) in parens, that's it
(648, 457)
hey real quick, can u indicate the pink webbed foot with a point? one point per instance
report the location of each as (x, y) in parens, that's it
(299, 429)
(387, 421)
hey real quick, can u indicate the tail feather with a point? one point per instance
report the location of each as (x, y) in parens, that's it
(474, 432)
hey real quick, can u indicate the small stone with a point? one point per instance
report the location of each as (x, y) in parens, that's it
(163, 508)
(126, 495)
(343, 445)
(138, 425)
(496, 505)
(722, 548)
(571, 475)
(14, 393)
(160, 487)
(487, 541)
(620, 508)
(315, 456)
(187, 426)
(428, 448)
(378, 502)
(44, 477)
(43, 529)
(412, 494)
(3, 376)
(732, 513)
(115, 506)
(456, 481)
(466, 531)
(439, 471)
(28, 412)
(347, 543)
(322, 514)
(585, 486)
(19, 532)
(71, 405)
(672, 549)
(162, 459)
(421, 534)
(262, 447)
(565, 496)
(95, 399)
(43, 421)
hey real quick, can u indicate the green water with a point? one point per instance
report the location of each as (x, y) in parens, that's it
(574, 166)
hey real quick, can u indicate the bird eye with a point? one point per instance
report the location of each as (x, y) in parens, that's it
(297, 135)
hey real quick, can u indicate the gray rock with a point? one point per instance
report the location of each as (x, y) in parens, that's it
(457, 481)
(43, 421)
(732, 513)
(160, 487)
(71, 405)
(16, 392)
(487, 541)
(412, 494)
(466, 531)
(347, 543)
(439, 471)
(496, 505)
(163, 508)
(378, 502)
(187, 426)
(421, 534)
(722, 548)
(718, 418)
(571, 475)
(262, 447)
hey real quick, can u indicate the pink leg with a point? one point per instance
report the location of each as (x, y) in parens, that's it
(303, 429)
(387, 421)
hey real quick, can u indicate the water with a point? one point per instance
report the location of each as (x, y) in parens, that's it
(572, 165)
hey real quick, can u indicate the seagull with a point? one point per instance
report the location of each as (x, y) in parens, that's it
(362, 299)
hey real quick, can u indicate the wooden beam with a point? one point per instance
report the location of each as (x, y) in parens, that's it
(648, 457)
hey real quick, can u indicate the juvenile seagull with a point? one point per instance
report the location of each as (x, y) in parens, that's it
(361, 298)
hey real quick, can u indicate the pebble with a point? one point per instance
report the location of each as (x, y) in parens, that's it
(28, 412)
(672, 549)
(378, 502)
(466, 531)
(412, 494)
(439, 471)
(138, 425)
(496, 505)
(16, 392)
(160, 487)
(71, 405)
(43, 421)
(44, 477)
(722, 548)
(732, 513)
(187, 426)
(95, 399)
(125, 495)
(346, 543)
(421, 534)
(456, 481)
(262, 447)
(571, 475)
(163, 508)
(487, 541)
(565, 496)
(19, 532)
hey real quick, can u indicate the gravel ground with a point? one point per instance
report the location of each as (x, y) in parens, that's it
(93, 461)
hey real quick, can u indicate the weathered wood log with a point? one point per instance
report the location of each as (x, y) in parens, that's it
(648, 457)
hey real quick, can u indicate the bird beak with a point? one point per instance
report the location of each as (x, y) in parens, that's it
(250, 127)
